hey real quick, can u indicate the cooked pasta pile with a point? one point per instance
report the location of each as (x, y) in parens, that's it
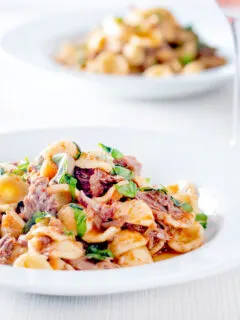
(75, 210)
(149, 42)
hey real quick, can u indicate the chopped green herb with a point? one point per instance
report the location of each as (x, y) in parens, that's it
(69, 233)
(189, 28)
(94, 253)
(118, 19)
(148, 180)
(124, 172)
(160, 189)
(202, 219)
(127, 190)
(22, 167)
(186, 207)
(186, 59)
(65, 165)
(35, 219)
(80, 218)
(176, 202)
(78, 154)
(1, 171)
(113, 152)
(72, 182)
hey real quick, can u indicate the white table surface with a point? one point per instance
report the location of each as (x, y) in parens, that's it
(29, 99)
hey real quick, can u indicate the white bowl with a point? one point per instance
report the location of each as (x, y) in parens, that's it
(212, 165)
(37, 42)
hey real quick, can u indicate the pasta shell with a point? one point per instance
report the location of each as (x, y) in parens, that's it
(12, 224)
(135, 257)
(32, 260)
(158, 70)
(95, 159)
(137, 212)
(59, 264)
(48, 169)
(93, 236)
(12, 189)
(62, 146)
(127, 240)
(184, 240)
(66, 215)
(51, 232)
(66, 249)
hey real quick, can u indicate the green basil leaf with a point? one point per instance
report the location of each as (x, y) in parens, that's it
(80, 218)
(65, 165)
(39, 215)
(189, 28)
(69, 233)
(78, 154)
(72, 182)
(22, 167)
(186, 207)
(128, 190)
(124, 172)
(186, 59)
(1, 171)
(94, 253)
(160, 189)
(113, 152)
(176, 202)
(118, 19)
(202, 218)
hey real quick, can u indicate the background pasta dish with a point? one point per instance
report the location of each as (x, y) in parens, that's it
(149, 42)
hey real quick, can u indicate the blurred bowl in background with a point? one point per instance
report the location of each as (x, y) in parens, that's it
(36, 43)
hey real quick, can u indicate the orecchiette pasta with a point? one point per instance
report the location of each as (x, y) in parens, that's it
(184, 240)
(12, 224)
(32, 260)
(97, 237)
(66, 249)
(137, 212)
(158, 71)
(97, 159)
(141, 40)
(126, 240)
(12, 189)
(135, 257)
(73, 210)
(59, 264)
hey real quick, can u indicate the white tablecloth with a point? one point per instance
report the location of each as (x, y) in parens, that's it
(28, 99)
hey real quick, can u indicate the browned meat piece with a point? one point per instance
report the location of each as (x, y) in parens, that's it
(83, 178)
(107, 265)
(103, 216)
(82, 263)
(212, 61)
(154, 235)
(130, 163)
(6, 248)
(94, 182)
(206, 52)
(161, 204)
(101, 182)
(134, 227)
(38, 199)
